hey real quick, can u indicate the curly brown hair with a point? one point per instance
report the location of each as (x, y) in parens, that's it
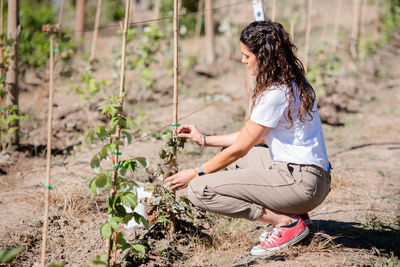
(277, 64)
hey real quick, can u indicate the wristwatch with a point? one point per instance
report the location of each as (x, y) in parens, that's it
(200, 171)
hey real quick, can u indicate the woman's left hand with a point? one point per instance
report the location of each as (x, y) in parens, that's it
(181, 179)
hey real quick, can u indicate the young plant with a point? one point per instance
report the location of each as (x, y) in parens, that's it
(8, 117)
(144, 55)
(164, 207)
(122, 188)
(90, 85)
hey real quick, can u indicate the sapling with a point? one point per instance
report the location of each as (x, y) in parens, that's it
(122, 188)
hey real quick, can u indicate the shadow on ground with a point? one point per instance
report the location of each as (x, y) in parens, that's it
(371, 235)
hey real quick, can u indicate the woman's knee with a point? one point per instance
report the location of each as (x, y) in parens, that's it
(195, 193)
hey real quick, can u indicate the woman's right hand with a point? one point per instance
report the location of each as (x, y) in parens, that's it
(190, 131)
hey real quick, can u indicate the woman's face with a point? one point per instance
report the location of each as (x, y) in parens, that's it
(249, 59)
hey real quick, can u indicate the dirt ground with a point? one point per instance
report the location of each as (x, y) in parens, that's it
(358, 224)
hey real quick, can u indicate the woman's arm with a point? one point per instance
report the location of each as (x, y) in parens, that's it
(193, 133)
(249, 136)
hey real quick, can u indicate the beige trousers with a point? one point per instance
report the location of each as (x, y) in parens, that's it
(256, 181)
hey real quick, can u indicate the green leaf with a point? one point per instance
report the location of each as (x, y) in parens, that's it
(189, 214)
(92, 186)
(117, 219)
(139, 248)
(90, 137)
(116, 143)
(142, 161)
(114, 224)
(127, 136)
(105, 230)
(130, 165)
(101, 180)
(8, 255)
(129, 199)
(130, 122)
(95, 162)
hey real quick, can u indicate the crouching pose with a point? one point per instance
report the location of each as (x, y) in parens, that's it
(277, 183)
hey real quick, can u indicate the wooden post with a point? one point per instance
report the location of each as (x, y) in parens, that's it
(273, 12)
(199, 19)
(80, 18)
(96, 31)
(12, 72)
(115, 158)
(157, 6)
(209, 21)
(49, 139)
(324, 26)
(292, 29)
(356, 27)
(375, 34)
(308, 35)
(60, 14)
(336, 25)
(248, 93)
(2, 70)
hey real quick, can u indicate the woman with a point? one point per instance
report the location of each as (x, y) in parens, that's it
(275, 187)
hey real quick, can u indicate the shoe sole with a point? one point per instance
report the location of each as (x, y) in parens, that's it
(308, 223)
(263, 252)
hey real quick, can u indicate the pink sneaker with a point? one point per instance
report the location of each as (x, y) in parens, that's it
(281, 237)
(305, 217)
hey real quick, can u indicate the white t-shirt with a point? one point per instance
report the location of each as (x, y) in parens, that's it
(303, 143)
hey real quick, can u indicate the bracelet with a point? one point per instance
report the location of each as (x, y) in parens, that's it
(203, 141)
(200, 172)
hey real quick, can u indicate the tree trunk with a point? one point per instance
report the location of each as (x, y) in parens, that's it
(12, 73)
(80, 18)
(209, 21)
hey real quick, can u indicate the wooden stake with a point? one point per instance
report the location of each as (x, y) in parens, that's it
(209, 19)
(356, 27)
(60, 14)
(13, 33)
(273, 12)
(80, 18)
(292, 29)
(49, 139)
(2, 70)
(248, 93)
(115, 159)
(324, 26)
(199, 19)
(375, 34)
(336, 25)
(157, 6)
(96, 30)
(308, 35)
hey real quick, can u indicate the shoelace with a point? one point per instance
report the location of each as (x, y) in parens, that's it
(273, 235)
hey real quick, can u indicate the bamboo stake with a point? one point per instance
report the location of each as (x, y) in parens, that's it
(248, 91)
(96, 30)
(356, 27)
(157, 6)
(60, 14)
(175, 119)
(308, 34)
(49, 139)
(292, 29)
(115, 159)
(80, 18)
(273, 13)
(375, 33)
(2, 71)
(336, 25)
(209, 19)
(324, 26)
(199, 19)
